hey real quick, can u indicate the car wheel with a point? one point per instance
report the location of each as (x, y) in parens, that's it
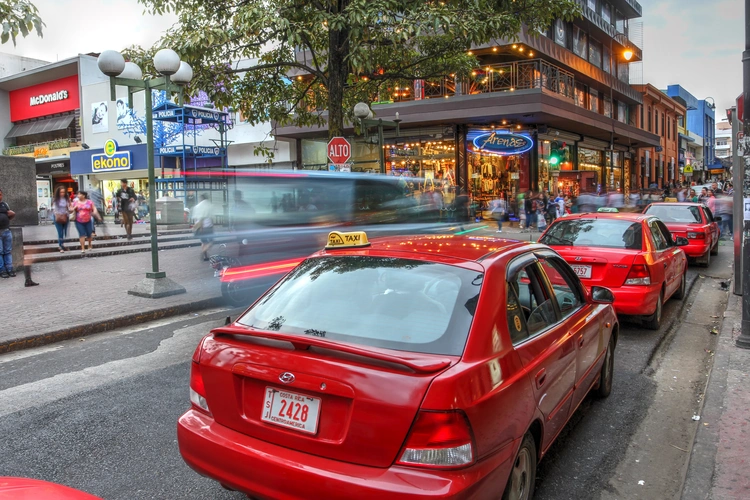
(234, 294)
(706, 259)
(523, 474)
(608, 368)
(653, 322)
(680, 293)
(715, 248)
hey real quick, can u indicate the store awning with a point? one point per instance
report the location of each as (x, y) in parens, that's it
(40, 126)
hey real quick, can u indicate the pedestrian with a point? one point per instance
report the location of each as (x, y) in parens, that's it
(84, 210)
(127, 201)
(498, 211)
(61, 209)
(6, 240)
(711, 201)
(528, 207)
(203, 224)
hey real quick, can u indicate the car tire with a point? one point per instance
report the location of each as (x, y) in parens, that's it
(234, 294)
(520, 484)
(608, 369)
(706, 259)
(715, 248)
(653, 322)
(680, 293)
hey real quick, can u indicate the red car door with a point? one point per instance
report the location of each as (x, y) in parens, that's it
(676, 260)
(547, 352)
(660, 263)
(581, 320)
(712, 225)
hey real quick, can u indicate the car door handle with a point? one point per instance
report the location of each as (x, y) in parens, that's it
(580, 341)
(665, 265)
(540, 378)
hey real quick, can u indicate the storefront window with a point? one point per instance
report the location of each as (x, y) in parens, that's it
(431, 160)
(613, 162)
(498, 165)
(589, 166)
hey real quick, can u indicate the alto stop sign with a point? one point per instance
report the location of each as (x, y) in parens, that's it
(339, 150)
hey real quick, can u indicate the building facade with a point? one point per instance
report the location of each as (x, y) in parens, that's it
(552, 111)
(661, 115)
(61, 115)
(724, 142)
(10, 64)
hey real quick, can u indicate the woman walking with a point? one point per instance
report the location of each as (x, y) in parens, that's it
(61, 209)
(84, 210)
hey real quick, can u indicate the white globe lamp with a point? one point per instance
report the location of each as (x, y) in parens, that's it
(111, 63)
(183, 75)
(362, 111)
(167, 62)
(132, 71)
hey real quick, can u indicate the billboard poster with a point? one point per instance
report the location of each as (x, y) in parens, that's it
(99, 117)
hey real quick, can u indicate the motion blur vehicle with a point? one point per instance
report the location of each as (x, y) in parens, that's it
(634, 255)
(693, 221)
(410, 367)
(20, 488)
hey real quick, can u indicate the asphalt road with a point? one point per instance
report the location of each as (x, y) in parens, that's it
(99, 414)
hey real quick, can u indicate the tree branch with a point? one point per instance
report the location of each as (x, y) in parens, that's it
(282, 64)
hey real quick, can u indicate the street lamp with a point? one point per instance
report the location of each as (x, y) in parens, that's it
(365, 116)
(175, 74)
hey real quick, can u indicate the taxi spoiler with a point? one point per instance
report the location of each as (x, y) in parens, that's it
(419, 363)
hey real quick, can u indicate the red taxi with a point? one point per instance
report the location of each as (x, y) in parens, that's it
(21, 488)
(693, 221)
(405, 368)
(634, 255)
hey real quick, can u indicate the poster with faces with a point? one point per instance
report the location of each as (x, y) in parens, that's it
(100, 117)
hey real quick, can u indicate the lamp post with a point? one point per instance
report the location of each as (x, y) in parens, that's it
(364, 114)
(175, 74)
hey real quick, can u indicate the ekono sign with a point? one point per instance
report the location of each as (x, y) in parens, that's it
(111, 159)
(57, 96)
(500, 143)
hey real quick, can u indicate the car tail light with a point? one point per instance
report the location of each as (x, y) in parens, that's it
(439, 439)
(638, 275)
(692, 235)
(197, 389)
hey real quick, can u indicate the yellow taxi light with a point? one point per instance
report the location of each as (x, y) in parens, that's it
(338, 239)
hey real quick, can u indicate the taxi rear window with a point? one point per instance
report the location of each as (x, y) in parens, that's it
(604, 233)
(401, 304)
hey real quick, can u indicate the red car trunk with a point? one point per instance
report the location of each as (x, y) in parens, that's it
(607, 267)
(360, 418)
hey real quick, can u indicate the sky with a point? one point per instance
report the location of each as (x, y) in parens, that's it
(695, 43)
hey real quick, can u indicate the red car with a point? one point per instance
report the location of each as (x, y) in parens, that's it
(634, 255)
(693, 221)
(20, 488)
(406, 368)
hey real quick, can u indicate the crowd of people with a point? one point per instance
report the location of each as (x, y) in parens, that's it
(536, 209)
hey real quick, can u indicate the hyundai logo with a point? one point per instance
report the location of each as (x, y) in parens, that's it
(578, 259)
(287, 377)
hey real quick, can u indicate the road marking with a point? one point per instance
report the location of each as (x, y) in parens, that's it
(171, 351)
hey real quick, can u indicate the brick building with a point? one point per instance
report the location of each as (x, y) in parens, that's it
(660, 115)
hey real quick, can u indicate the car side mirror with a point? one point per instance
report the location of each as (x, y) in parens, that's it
(602, 295)
(681, 242)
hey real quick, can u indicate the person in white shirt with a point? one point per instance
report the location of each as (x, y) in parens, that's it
(203, 224)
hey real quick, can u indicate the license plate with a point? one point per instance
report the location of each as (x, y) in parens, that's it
(291, 410)
(582, 271)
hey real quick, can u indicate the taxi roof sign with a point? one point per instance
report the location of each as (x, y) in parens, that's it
(608, 210)
(355, 239)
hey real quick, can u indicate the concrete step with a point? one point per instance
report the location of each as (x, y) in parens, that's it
(107, 251)
(102, 236)
(104, 242)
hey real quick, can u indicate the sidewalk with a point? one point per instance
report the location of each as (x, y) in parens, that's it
(84, 296)
(719, 466)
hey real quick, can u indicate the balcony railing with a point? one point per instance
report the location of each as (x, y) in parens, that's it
(30, 148)
(494, 78)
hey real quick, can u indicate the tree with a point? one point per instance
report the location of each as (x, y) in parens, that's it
(314, 55)
(19, 16)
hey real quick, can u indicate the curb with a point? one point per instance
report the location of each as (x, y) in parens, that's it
(106, 325)
(697, 479)
(73, 255)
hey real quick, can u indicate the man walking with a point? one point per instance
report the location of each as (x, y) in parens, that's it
(6, 240)
(127, 201)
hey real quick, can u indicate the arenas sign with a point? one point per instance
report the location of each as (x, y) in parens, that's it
(111, 160)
